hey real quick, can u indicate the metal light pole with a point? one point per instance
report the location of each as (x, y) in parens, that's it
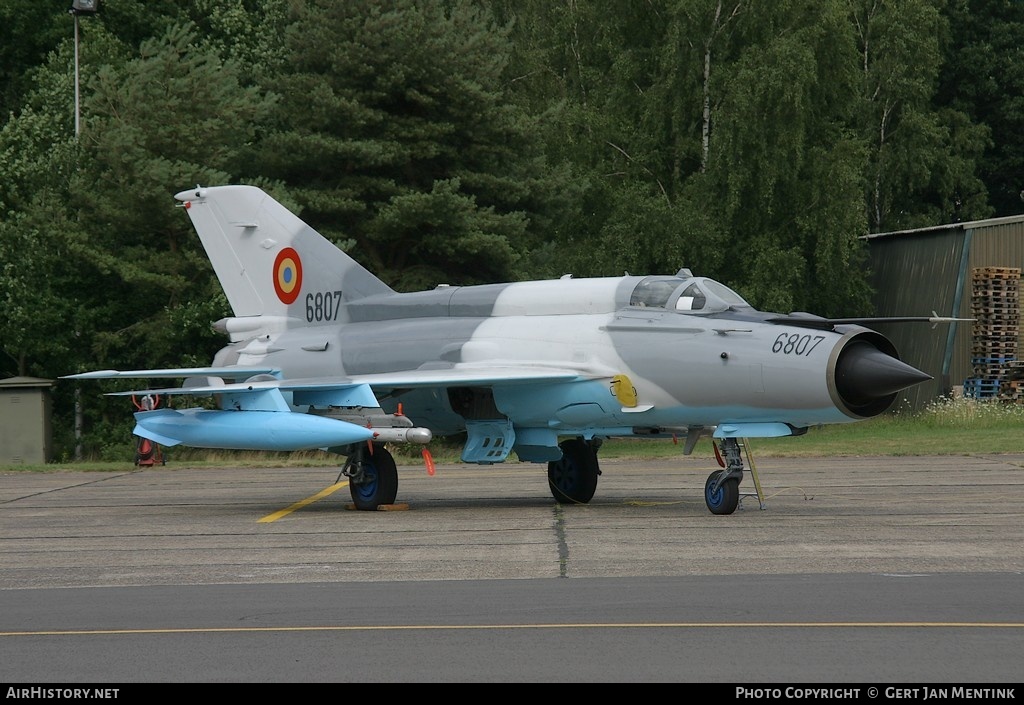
(80, 7)
(77, 128)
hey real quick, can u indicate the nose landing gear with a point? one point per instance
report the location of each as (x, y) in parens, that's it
(722, 489)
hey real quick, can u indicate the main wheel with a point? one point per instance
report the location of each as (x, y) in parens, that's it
(573, 477)
(379, 483)
(726, 498)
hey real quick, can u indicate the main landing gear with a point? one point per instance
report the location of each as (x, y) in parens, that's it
(722, 488)
(572, 478)
(373, 476)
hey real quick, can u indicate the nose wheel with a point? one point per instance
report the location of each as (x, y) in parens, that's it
(722, 495)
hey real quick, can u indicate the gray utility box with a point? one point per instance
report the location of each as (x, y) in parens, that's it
(25, 426)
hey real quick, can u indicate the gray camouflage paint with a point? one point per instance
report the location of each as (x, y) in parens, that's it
(529, 360)
(689, 368)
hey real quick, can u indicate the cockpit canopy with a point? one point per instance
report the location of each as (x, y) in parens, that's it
(685, 293)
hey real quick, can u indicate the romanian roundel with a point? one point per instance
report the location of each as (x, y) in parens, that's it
(288, 275)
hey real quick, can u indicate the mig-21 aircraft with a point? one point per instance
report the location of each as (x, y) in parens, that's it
(322, 354)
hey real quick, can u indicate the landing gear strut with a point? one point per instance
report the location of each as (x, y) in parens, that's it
(722, 488)
(373, 476)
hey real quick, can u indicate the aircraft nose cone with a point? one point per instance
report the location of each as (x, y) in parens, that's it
(864, 373)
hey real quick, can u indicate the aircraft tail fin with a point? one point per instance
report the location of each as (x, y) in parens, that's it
(271, 263)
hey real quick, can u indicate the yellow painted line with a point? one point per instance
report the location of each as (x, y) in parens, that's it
(302, 503)
(461, 627)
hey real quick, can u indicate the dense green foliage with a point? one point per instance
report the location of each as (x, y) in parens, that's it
(463, 142)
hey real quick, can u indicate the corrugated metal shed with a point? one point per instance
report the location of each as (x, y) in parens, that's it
(917, 272)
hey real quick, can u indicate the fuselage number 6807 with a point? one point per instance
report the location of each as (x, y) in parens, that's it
(796, 344)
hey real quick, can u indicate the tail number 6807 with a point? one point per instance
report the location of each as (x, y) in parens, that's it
(323, 306)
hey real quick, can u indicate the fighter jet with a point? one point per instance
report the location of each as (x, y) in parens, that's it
(322, 354)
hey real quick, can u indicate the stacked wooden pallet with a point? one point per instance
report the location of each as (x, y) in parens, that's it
(995, 306)
(1011, 386)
